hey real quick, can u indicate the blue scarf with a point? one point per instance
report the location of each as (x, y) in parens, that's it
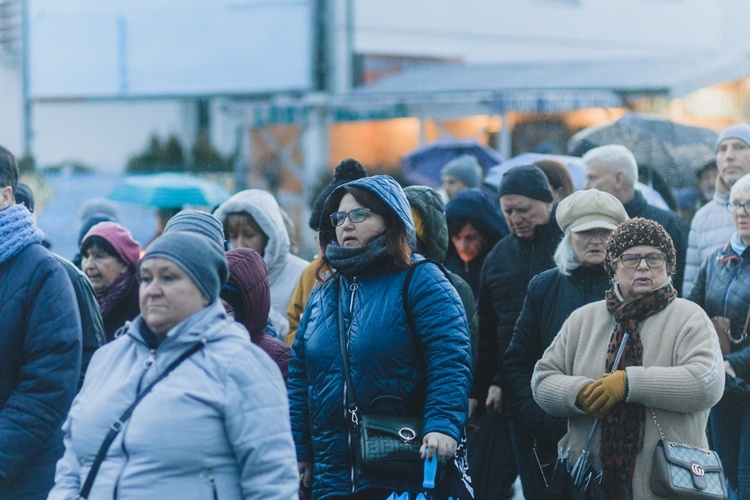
(17, 231)
(736, 243)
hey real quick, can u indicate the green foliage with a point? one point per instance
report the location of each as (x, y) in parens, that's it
(26, 165)
(169, 156)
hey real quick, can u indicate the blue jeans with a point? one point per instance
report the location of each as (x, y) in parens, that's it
(730, 438)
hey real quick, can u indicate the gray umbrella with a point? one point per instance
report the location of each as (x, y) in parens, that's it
(675, 151)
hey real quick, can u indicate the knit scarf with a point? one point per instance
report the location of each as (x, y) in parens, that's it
(622, 429)
(108, 297)
(17, 231)
(351, 261)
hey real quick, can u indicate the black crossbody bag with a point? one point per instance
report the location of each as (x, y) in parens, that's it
(118, 424)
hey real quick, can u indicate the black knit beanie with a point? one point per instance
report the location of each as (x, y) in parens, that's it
(348, 170)
(200, 257)
(526, 180)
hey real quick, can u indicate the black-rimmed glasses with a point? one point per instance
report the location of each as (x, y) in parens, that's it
(737, 206)
(356, 216)
(632, 260)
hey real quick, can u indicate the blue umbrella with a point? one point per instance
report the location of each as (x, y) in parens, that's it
(169, 190)
(422, 166)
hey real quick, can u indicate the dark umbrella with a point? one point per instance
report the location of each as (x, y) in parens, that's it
(422, 166)
(674, 150)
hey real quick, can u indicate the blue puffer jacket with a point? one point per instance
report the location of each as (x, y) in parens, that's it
(428, 369)
(40, 358)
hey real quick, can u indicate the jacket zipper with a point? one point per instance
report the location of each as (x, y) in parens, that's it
(212, 482)
(146, 365)
(351, 415)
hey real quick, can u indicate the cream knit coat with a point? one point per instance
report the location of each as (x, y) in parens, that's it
(682, 377)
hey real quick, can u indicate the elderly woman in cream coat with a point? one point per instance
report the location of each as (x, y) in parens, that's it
(671, 365)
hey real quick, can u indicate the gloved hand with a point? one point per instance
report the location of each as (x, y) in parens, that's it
(601, 396)
(583, 395)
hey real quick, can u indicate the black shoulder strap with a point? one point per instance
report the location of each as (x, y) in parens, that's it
(117, 425)
(407, 283)
(351, 403)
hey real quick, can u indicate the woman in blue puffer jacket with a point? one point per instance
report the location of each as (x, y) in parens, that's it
(367, 238)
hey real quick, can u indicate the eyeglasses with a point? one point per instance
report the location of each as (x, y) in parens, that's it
(632, 260)
(356, 216)
(737, 206)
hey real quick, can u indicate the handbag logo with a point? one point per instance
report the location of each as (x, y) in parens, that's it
(697, 469)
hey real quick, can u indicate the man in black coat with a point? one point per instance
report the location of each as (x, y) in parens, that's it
(613, 169)
(40, 348)
(527, 203)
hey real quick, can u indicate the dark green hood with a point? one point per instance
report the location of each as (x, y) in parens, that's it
(432, 210)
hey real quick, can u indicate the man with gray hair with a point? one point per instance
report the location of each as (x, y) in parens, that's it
(712, 225)
(613, 169)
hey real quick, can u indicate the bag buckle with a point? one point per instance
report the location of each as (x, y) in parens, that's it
(117, 425)
(407, 434)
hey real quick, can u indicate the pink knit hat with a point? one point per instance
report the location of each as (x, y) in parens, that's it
(120, 238)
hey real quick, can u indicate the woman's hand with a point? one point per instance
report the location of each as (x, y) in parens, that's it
(494, 399)
(729, 369)
(444, 445)
(305, 471)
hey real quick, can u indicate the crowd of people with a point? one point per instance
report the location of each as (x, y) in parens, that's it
(213, 362)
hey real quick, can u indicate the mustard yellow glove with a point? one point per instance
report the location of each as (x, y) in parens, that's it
(583, 395)
(605, 393)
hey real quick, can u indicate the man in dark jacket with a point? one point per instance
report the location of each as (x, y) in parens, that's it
(613, 169)
(41, 349)
(527, 203)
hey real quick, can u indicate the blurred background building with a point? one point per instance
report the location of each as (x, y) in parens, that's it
(274, 94)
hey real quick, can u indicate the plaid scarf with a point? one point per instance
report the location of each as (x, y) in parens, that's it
(622, 429)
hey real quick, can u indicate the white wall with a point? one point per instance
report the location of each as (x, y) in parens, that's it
(105, 135)
(11, 109)
(506, 30)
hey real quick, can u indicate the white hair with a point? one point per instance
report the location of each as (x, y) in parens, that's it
(566, 259)
(742, 185)
(615, 157)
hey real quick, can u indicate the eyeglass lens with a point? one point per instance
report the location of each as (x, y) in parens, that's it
(633, 260)
(739, 206)
(357, 215)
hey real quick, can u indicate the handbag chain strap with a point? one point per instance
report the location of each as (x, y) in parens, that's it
(664, 438)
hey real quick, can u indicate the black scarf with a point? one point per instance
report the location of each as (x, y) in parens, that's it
(622, 429)
(352, 261)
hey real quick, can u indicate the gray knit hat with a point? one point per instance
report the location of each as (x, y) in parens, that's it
(198, 256)
(740, 131)
(196, 221)
(465, 168)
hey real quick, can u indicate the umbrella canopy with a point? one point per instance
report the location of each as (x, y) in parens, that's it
(575, 167)
(577, 170)
(169, 190)
(676, 151)
(422, 166)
